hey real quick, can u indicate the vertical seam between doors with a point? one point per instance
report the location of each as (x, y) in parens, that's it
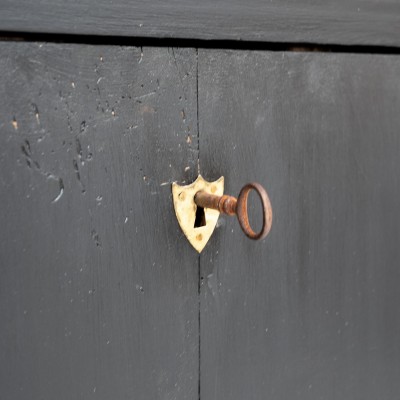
(199, 257)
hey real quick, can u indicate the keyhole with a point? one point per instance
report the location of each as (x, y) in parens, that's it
(200, 217)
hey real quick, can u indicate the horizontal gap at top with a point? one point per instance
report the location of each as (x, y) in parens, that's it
(194, 43)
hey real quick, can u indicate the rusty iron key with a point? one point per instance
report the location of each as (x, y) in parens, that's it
(231, 206)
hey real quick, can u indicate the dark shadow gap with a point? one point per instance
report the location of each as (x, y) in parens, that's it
(194, 43)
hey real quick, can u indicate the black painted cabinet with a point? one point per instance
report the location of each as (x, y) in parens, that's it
(101, 295)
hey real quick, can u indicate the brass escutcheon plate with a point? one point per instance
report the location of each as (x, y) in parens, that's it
(185, 210)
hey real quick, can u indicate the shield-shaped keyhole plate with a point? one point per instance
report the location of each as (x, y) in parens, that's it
(197, 224)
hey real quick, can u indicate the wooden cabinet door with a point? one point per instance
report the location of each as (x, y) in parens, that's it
(98, 289)
(101, 296)
(312, 312)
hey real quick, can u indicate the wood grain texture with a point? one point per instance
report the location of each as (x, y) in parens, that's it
(312, 311)
(98, 289)
(368, 22)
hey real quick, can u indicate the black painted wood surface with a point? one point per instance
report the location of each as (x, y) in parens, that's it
(98, 289)
(368, 22)
(312, 312)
